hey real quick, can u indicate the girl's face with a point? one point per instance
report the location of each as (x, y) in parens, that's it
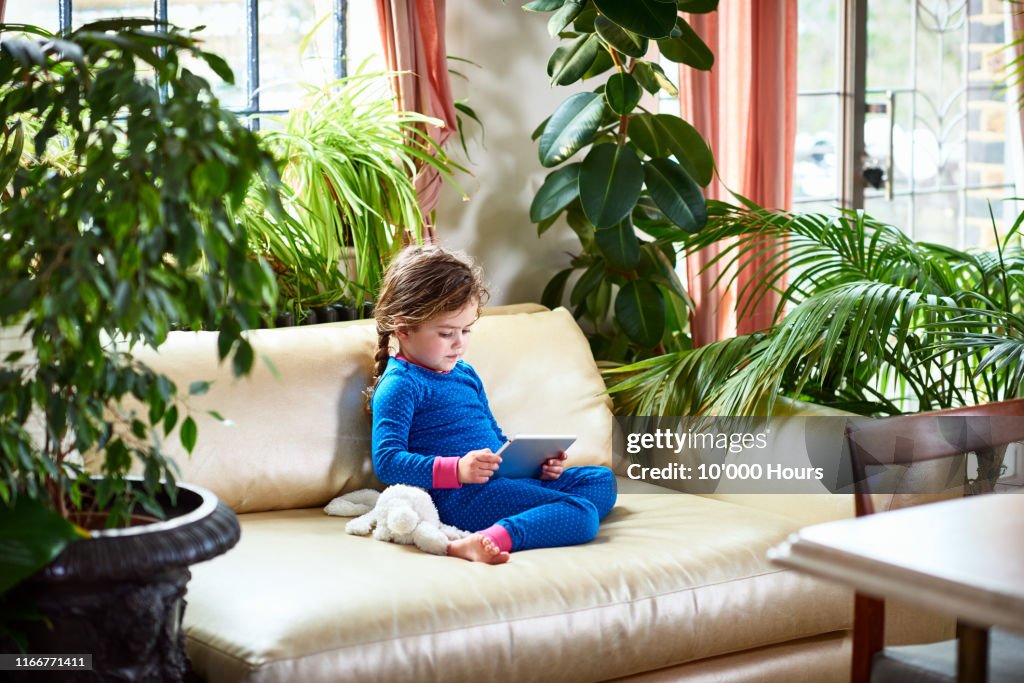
(440, 342)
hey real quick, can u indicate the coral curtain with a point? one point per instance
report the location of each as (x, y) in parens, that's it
(3, 6)
(412, 33)
(745, 107)
(1017, 39)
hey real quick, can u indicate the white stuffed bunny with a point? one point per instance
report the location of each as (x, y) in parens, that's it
(401, 514)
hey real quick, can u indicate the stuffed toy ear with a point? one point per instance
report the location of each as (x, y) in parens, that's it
(353, 504)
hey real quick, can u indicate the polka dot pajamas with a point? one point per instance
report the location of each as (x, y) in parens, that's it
(424, 420)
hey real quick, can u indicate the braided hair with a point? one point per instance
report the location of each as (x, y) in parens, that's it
(420, 283)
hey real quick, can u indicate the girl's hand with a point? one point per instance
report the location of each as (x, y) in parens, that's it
(477, 467)
(552, 468)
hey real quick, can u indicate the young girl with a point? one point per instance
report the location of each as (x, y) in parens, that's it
(433, 428)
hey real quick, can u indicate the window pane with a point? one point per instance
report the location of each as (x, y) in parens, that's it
(938, 218)
(815, 155)
(363, 37)
(817, 32)
(84, 11)
(897, 212)
(284, 24)
(224, 34)
(890, 28)
(42, 14)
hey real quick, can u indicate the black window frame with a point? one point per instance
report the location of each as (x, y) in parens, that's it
(252, 109)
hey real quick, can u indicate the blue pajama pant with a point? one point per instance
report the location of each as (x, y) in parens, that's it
(536, 513)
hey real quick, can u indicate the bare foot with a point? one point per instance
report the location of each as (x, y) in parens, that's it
(477, 548)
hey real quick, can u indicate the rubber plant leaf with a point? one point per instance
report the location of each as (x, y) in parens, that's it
(619, 245)
(676, 194)
(640, 309)
(570, 127)
(688, 48)
(611, 178)
(626, 42)
(662, 135)
(644, 17)
(622, 93)
(560, 188)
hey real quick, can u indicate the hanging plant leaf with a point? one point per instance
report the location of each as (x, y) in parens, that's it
(543, 5)
(571, 127)
(626, 42)
(697, 6)
(661, 135)
(602, 63)
(652, 77)
(569, 62)
(622, 93)
(676, 194)
(560, 188)
(688, 48)
(619, 245)
(564, 16)
(610, 182)
(644, 17)
(640, 309)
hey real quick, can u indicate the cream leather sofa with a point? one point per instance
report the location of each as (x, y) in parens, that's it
(675, 586)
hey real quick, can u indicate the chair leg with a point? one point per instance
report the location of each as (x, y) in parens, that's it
(868, 635)
(972, 653)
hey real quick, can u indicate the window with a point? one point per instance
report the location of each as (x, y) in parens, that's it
(260, 40)
(937, 147)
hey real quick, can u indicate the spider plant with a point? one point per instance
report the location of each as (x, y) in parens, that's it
(871, 321)
(349, 163)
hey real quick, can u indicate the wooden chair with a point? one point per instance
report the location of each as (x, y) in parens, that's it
(905, 440)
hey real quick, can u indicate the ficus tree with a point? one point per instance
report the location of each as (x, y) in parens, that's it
(628, 180)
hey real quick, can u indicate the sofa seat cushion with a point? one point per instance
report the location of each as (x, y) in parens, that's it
(670, 578)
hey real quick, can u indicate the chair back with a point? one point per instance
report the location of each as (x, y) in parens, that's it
(904, 440)
(908, 439)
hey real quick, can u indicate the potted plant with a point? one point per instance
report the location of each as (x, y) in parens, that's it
(874, 323)
(119, 172)
(348, 162)
(637, 170)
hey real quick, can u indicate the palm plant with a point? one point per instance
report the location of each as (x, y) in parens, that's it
(874, 322)
(349, 162)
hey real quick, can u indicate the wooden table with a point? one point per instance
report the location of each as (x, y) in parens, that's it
(964, 557)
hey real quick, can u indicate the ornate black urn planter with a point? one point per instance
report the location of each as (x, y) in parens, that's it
(120, 596)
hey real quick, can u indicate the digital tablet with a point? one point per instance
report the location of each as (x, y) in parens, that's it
(525, 453)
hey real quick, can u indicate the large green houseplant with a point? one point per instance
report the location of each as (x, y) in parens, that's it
(620, 167)
(119, 171)
(870, 321)
(348, 162)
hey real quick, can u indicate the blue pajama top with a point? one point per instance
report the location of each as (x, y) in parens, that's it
(420, 415)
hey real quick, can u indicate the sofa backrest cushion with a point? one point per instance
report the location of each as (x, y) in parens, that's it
(297, 434)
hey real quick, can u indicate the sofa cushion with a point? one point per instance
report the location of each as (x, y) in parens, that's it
(298, 435)
(670, 578)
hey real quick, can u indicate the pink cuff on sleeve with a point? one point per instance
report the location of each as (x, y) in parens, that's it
(500, 536)
(446, 472)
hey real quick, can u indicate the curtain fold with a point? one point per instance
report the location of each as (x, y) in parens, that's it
(413, 35)
(745, 107)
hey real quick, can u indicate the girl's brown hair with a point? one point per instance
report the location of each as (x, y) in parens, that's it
(421, 283)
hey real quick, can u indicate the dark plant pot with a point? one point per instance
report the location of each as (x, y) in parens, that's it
(120, 596)
(368, 309)
(326, 314)
(344, 311)
(285, 320)
(310, 317)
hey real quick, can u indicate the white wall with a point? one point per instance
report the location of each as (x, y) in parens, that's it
(511, 95)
